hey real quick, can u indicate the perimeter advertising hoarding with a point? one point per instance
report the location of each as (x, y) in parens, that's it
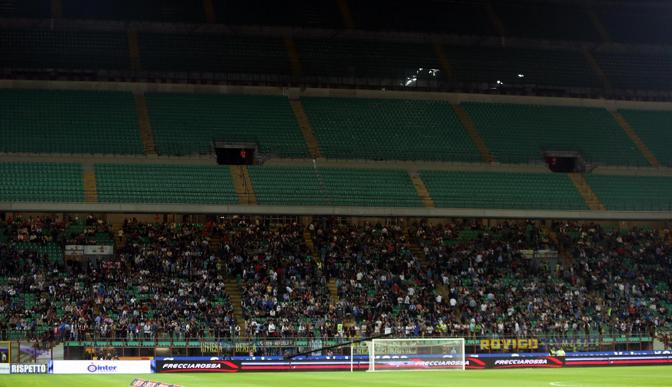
(474, 361)
(100, 367)
(34, 368)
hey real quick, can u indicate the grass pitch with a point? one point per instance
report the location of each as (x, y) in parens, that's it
(576, 377)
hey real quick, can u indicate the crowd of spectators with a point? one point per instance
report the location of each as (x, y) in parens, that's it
(462, 279)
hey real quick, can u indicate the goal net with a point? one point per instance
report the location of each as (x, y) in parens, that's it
(416, 354)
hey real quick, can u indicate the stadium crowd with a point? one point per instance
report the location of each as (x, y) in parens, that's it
(420, 279)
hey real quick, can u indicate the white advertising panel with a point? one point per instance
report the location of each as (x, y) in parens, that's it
(4, 368)
(101, 367)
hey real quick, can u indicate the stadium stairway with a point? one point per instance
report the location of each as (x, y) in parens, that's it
(134, 50)
(243, 184)
(311, 246)
(89, 180)
(567, 258)
(233, 291)
(306, 128)
(592, 200)
(419, 253)
(623, 123)
(495, 20)
(422, 190)
(446, 67)
(470, 126)
(293, 54)
(599, 73)
(333, 291)
(209, 11)
(146, 133)
(56, 9)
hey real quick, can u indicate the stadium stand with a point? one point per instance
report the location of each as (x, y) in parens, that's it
(54, 121)
(520, 133)
(546, 21)
(502, 190)
(333, 186)
(641, 71)
(647, 22)
(459, 283)
(461, 18)
(50, 50)
(366, 62)
(230, 55)
(653, 127)
(633, 193)
(169, 278)
(388, 129)
(155, 259)
(41, 182)
(26, 8)
(186, 124)
(548, 69)
(164, 184)
(147, 10)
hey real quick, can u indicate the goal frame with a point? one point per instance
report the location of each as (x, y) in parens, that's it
(372, 353)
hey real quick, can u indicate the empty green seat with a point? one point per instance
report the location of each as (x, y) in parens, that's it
(655, 129)
(521, 133)
(333, 186)
(633, 193)
(164, 184)
(57, 121)
(41, 182)
(502, 190)
(185, 124)
(388, 129)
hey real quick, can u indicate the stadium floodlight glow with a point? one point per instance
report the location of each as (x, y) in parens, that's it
(437, 354)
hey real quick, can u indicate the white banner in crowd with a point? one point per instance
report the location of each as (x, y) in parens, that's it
(101, 367)
(93, 251)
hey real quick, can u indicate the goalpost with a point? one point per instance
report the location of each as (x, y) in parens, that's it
(416, 354)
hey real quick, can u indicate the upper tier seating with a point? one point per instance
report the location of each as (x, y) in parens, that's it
(70, 50)
(645, 22)
(232, 55)
(41, 182)
(655, 129)
(146, 10)
(47, 121)
(520, 133)
(633, 193)
(185, 124)
(502, 190)
(546, 21)
(552, 68)
(389, 129)
(642, 71)
(164, 184)
(333, 186)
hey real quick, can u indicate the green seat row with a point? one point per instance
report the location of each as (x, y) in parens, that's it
(633, 193)
(164, 184)
(389, 129)
(521, 133)
(655, 129)
(502, 190)
(333, 186)
(58, 121)
(42, 182)
(186, 124)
